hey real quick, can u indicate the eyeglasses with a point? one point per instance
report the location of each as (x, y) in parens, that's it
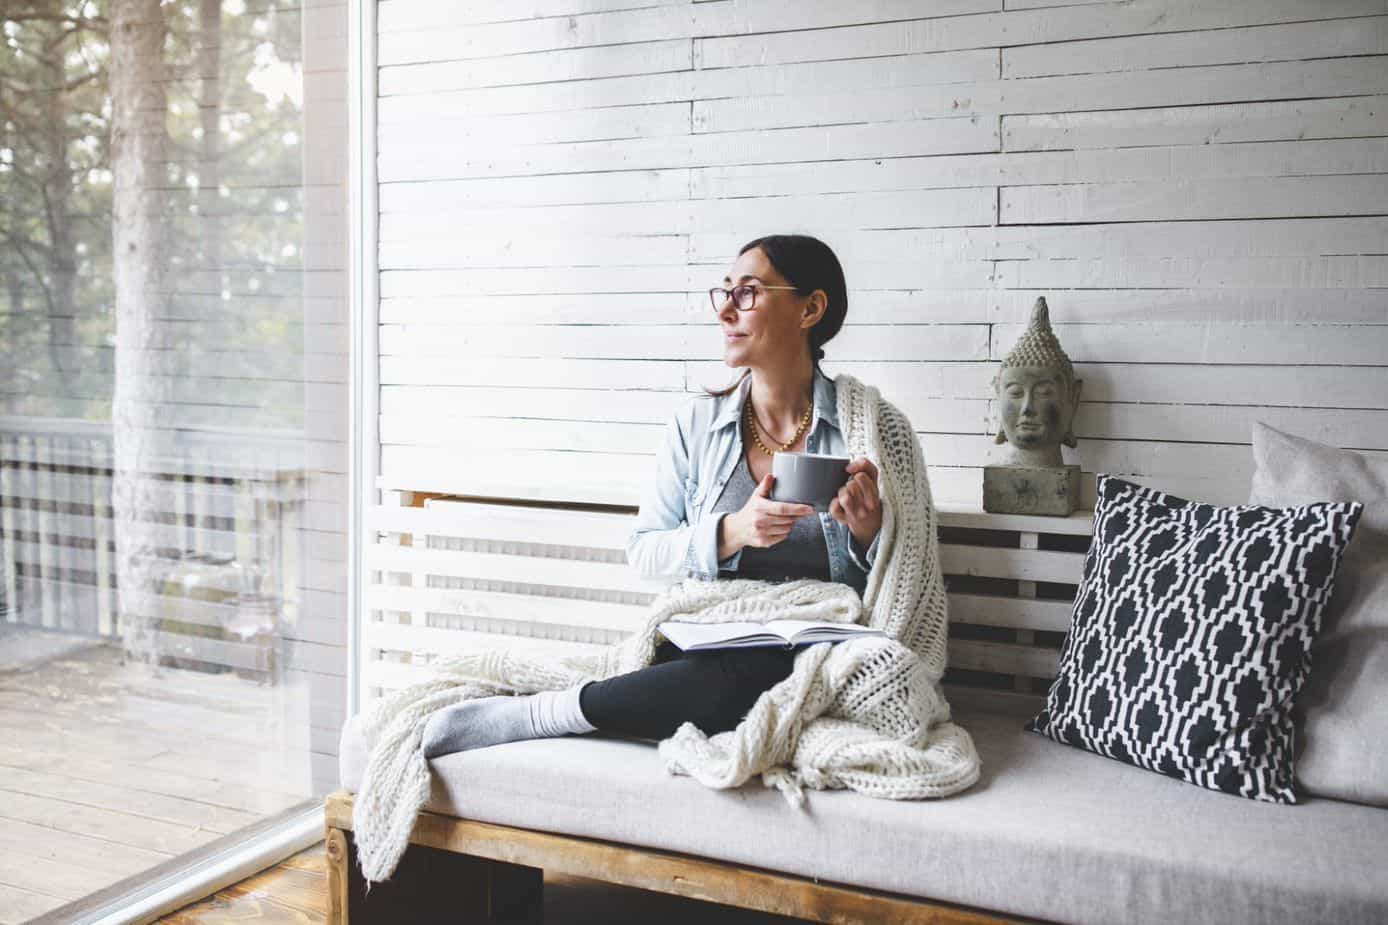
(744, 297)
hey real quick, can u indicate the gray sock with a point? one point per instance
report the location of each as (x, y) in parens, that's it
(504, 718)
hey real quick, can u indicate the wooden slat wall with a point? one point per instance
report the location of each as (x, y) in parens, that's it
(1197, 188)
(318, 654)
(449, 576)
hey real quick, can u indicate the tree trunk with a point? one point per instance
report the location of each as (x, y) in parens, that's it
(142, 451)
(209, 58)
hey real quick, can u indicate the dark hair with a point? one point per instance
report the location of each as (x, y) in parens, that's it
(808, 264)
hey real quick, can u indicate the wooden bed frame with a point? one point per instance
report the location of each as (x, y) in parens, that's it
(448, 573)
(461, 871)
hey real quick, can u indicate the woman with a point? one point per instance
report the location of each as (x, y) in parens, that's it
(708, 513)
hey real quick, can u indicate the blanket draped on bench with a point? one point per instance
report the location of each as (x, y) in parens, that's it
(866, 714)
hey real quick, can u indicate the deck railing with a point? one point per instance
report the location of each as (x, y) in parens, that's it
(226, 577)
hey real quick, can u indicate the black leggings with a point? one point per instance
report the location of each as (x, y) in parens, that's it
(713, 690)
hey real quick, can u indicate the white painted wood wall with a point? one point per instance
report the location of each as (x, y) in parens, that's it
(318, 651)
(1198, 188)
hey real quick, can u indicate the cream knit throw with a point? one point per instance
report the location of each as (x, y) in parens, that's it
(866, 714)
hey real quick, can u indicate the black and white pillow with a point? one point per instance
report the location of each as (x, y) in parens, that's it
(1191, 633)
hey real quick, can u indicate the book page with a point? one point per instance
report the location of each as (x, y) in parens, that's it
(687, 635)
(789, 628)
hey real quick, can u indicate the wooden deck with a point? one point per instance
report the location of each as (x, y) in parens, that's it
(107, 770)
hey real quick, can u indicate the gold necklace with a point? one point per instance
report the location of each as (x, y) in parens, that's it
(753, 424)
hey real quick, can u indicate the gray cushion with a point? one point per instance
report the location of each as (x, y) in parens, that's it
(1342, 712)
(1049, 831)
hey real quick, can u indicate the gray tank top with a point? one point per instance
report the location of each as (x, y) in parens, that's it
(802, 554)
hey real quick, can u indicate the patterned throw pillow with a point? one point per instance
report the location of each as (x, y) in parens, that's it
(1190, 636)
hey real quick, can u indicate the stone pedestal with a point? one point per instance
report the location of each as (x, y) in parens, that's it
(1017, 490)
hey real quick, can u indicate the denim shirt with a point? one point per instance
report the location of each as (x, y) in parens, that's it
(676, 535)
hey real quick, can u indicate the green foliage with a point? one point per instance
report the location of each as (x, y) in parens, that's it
(234, 205)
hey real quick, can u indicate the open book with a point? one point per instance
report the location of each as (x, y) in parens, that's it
(692, 637)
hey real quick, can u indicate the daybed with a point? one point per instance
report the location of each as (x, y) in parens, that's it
(1049, 833)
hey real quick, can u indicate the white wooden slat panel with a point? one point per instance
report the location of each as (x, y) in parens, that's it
(1286, 238)
(524, 340)
(1253, 197)
(546, 308)
(1231, 306)
(929, 209)
(479, 251)
(1288, 42)
(564, 64)
(1349, 345)
(441, 425)
(1003, 658)
(482, 620)
(498, 192)
(1233, 123)
(508, 607)
(478, 40)
(1019, 613)
(1011, 28)
(608, 576)
(430, 640)
(894, 380)
(419, 404)
(930, 136)
(474, 132)
(1349, 428)
(401, 15)
(886, 342)
(637, 25)
(506, 523)
(829, 80)
(621, 278)
(1310, 387)
(538, 373)
(576, 436)
(609, 478)
(703, 84)
(1033, 4)
(1004, 562)
(1201, 85)
(593, 478)
(1081, 523)
(986, 99)
(870, 305)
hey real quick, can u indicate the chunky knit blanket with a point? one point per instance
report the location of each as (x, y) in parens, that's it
(866, 714)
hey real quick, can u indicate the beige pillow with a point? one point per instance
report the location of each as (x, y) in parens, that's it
(1342, 712)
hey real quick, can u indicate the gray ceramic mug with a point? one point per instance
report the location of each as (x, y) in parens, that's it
(808, 478)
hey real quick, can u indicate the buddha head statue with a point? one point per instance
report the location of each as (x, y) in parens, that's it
(1037, 395)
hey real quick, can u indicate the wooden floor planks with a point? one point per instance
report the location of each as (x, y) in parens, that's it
(107, 770)
(295, 891)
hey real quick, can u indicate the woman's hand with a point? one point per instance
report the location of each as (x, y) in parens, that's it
(763, 522)
(858, 504)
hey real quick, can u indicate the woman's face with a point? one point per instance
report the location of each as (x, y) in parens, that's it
(773, 332)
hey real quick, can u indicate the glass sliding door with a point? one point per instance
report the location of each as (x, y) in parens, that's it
(173, 430)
